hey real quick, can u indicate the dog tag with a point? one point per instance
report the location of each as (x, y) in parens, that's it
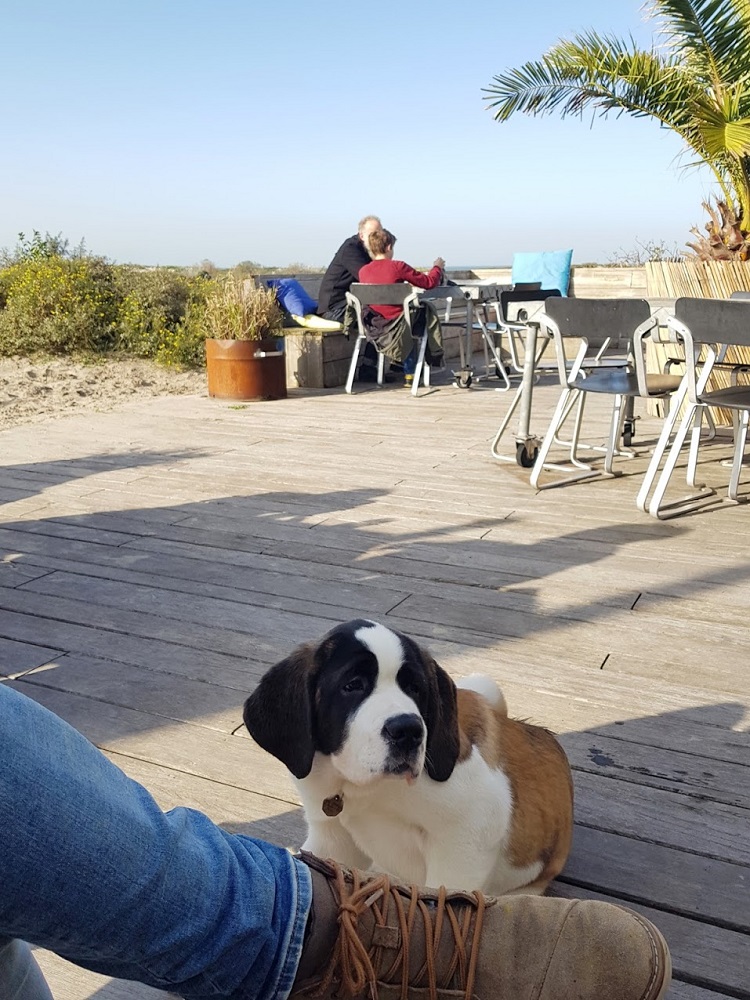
(333, 805)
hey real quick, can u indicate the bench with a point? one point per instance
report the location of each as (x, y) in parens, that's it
(315, 359)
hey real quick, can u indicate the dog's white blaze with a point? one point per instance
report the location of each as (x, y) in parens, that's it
(364, 753)
(387, 648)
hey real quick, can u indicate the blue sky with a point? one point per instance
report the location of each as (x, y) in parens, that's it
(172, 131)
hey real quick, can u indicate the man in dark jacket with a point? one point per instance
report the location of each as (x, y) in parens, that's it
(342, 272)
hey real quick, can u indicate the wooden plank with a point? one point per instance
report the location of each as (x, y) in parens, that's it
(162, 694)
(670, 879)
(122, 647)
(18, 657)
(661, 817)
(179, 746)
(695, 777)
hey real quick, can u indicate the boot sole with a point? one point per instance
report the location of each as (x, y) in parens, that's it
(662, 978)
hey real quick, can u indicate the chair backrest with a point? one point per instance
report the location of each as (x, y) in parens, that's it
(529, 291)
(382, 295)
(716, 321)
(599, 322)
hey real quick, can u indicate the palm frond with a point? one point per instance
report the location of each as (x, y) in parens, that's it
(710, 37)
(599, 72)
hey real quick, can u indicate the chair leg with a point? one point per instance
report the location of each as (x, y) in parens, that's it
(580, 405)
(381, 367)
(353, 365)
(695, 440)
(615, 428)
(492, 349)
(740, 438)
(558, 417)
(504, 426)
(684, 504)
(670, 421)
(420, 365)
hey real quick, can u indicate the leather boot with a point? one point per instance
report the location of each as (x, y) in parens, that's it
(368, 936)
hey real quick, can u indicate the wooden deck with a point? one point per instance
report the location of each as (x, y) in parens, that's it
(157, 560)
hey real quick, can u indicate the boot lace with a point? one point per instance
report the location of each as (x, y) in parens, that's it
(352, 967)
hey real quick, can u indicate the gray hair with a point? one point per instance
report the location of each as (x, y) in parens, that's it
(363, 222)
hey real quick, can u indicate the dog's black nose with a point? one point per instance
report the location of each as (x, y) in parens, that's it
(404, 731)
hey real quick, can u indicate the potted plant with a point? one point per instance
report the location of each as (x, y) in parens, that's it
(244, 352)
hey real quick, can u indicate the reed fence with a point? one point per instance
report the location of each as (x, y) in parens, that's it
(699, 279)
(715, 279)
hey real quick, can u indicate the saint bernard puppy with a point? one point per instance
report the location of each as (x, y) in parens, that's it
(400, 770)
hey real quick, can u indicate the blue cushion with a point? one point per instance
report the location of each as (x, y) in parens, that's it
(552, 269)
(293, 297)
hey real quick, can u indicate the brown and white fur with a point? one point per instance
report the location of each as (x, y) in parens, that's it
(401, 770)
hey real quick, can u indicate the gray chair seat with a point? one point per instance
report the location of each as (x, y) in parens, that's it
(619, 381)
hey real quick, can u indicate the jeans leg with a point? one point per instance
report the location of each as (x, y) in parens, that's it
(93, 870)
(20, 976)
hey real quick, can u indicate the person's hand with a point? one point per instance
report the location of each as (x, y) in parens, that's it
(439, 262)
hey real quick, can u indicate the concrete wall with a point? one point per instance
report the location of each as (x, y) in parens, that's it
(585, 282)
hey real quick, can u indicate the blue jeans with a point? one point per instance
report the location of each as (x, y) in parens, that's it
(93, 870)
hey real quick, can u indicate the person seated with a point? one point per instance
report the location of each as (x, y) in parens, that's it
(386, 324)
(340, 274)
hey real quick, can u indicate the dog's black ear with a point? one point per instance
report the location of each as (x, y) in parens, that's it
(278, 714)
(442, 724)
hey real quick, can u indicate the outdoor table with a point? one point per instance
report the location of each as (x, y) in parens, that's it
(476, 296)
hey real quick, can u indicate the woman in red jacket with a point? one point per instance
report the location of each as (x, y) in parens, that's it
(388, 326)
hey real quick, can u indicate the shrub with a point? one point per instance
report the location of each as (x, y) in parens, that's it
(58, 305)
(645, 253)
(160, 315)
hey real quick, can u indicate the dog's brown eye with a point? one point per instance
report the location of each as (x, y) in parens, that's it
(354, 685)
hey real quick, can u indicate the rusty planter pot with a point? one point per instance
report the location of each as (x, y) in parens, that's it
(248, 370)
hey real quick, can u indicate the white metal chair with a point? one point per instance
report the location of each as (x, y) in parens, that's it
(708, 328)
(359, 297)
(611, 360)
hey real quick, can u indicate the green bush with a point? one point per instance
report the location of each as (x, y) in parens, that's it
(51, 303)
(58, 305)
(160, 315)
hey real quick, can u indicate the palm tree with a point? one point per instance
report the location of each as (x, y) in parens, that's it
(697, 84)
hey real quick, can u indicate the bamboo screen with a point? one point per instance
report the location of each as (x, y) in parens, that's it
(698, 279)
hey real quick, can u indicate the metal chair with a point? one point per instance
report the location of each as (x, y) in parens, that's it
(610, 359)
(513, 310)
(402, 294)
(708, 328)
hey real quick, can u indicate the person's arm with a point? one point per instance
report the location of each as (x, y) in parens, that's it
(406, 273)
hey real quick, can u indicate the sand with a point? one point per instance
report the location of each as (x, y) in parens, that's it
(33, 390)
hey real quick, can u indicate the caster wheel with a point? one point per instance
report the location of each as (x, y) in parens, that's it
(627, 433)
(524, 457)
(463, 380)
